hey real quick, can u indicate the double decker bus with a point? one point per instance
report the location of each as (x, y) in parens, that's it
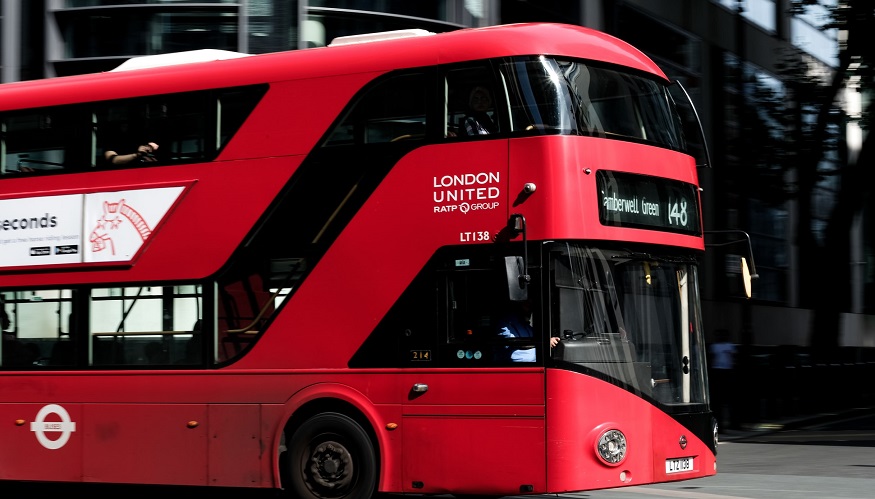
(305, 286)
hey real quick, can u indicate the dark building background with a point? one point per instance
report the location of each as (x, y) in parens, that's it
(727, 53)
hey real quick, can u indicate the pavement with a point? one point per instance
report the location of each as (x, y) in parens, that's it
(795, 422)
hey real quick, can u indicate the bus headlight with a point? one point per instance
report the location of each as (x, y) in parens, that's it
(611, 447)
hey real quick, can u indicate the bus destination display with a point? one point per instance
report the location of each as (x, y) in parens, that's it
(642, 201)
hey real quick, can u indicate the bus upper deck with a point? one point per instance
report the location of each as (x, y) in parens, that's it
(217, 117)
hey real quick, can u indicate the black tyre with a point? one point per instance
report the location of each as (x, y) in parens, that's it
(330, 456)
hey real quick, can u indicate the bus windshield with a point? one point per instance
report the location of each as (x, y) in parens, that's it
(567, 97)
(632, 319)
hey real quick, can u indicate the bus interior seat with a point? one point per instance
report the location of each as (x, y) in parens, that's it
(108, 350)
(243, 308)
(193, 352)
(156, 353)
(62, 353)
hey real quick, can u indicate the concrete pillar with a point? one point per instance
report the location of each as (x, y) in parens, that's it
(10, 58)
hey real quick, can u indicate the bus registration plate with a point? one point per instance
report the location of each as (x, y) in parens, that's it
(679, 465)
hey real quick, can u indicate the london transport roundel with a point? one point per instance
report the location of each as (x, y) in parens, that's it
(65, 427)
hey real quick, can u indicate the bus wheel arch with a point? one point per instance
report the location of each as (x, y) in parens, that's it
(329, 450)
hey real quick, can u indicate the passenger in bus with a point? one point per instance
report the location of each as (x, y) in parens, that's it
(145, 153)
(518, 324)
(5, 322)
(478, 121)
(15, 353)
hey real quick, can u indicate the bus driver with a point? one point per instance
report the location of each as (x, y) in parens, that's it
(518, 324)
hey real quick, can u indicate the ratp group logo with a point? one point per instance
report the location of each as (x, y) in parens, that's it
(466, 192)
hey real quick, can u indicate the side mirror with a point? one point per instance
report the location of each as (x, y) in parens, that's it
(748, 274)
(746, 277)
(515, 270)
(517, 225)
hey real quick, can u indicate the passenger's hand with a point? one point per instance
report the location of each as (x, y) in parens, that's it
(554, 340)
(146, 152)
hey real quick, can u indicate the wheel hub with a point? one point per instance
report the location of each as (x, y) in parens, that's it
(331, 466)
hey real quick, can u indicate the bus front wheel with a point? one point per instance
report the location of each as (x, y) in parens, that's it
(331, 457)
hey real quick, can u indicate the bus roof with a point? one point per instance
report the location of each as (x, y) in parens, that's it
(529, 39)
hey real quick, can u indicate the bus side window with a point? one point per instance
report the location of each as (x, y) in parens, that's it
(143, 327)
(47, 140)
(482, 326)
(472, 102)
(247, 303)
(473, 299)
(124, 125)
(392, 110)
(244, 308)
(33, 142)
(188, 127)
(35, 334)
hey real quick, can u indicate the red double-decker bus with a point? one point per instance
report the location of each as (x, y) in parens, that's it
(432, 263)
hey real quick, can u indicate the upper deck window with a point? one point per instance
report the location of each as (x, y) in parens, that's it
(392, 110)
(189, 127)
(568, 97)
(473, 102)
(43, 139)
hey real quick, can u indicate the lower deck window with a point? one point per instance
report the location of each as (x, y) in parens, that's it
(102, 327)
